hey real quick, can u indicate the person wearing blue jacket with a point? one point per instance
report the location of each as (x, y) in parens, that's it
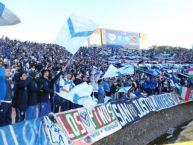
(106, 87)
(145, 86)
(6, 100)
(152, 85)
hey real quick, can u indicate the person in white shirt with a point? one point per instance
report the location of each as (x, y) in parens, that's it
(66, 84)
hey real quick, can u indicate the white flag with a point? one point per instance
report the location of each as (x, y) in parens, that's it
(80, 94)
(124, 89)
(75, 33)
(126, 70)
(7, 17)
(111, 72)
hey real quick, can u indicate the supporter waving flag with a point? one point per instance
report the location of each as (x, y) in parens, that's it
(75, 33)
(7, 17)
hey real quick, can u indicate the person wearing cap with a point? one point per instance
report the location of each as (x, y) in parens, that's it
(21, 96)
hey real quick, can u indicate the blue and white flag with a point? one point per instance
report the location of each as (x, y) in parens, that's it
(7, 17)
(75, 33)
(30, 132)
(153, 72)
(124, 89)
(111, 72)
(126, 70)
(80, 94)
(114, 72)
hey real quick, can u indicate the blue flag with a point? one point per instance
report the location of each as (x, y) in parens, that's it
(7, 17)
(30, 132)
(2, 84)
(75, 33)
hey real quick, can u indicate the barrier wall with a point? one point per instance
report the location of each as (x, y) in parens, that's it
(150, 127)
(137, 122)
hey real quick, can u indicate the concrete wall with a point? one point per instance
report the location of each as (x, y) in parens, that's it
(150, 127)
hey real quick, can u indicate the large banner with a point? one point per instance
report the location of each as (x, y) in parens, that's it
(120, 38)
(85, 127)
(130, 111)
(24, 133)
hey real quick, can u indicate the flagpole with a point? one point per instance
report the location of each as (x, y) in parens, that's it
(68, 62)
(101, 37)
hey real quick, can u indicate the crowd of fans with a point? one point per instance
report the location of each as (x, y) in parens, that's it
(34, 72)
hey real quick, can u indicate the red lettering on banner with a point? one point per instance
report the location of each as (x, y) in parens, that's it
(102, 115)
(67, 127)
(72, 124)
(79, 123)
(107, 114)
(96, 115)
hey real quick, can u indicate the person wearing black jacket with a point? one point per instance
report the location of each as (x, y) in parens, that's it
(54, 98)
(47, 92)
(32, 101)
(77, 80)
(44, 94)
(21, 96)
(113, 90)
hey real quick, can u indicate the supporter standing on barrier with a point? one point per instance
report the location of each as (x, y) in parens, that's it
(6, 103)
(44, 94)
(20, 96)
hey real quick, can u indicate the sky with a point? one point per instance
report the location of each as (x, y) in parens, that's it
(165, 22)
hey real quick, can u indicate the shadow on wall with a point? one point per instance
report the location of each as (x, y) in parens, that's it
(151, 126)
